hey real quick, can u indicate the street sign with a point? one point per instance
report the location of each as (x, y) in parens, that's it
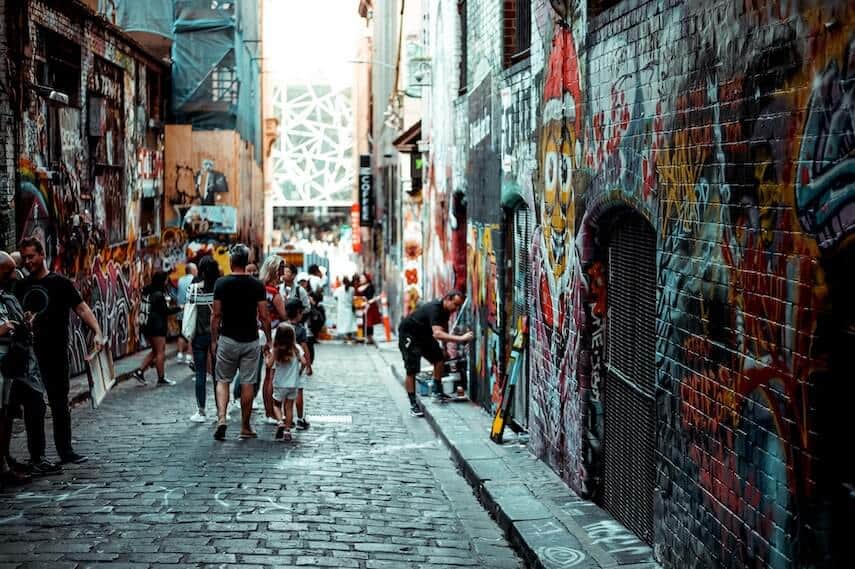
(366, 192)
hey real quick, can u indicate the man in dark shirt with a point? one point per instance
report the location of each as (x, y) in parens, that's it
(49, 296)
(418, 337)
(239, 302)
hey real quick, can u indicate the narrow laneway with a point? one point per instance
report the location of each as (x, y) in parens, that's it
(366, 486)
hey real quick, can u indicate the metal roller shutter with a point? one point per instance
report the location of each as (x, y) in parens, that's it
(629, 412)
(523, 228)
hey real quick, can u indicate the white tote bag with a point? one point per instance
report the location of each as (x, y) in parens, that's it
(188, 320)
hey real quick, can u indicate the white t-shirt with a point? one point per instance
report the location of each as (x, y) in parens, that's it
(287, 375)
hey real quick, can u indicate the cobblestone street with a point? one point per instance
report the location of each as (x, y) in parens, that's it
(366, 486)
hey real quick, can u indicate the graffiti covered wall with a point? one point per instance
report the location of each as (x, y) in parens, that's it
(90, 170)
(728, 129)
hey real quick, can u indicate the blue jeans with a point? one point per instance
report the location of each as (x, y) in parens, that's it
(201, 345)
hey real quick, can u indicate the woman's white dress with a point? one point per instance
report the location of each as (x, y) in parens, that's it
(345, 321)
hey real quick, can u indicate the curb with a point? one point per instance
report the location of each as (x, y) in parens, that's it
(548, 524)
(529, 549)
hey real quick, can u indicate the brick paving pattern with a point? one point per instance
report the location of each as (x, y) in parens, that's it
(377, 492)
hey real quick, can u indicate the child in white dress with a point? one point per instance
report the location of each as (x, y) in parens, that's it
(287, 360)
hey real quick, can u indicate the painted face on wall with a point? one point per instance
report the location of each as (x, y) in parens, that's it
(557, 208)
(559, 149)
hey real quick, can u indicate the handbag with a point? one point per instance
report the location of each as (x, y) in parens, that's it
(188, 320)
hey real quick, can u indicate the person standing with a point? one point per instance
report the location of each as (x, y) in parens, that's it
(50, 297)
(270, 271)
(201, 293)
(419, 335)
(294, 311)
(156, 310)
(290, 289)
(239, 301)
(372, 307)
(190, 272)
(286, 359)
(20, 385)
(345, 319)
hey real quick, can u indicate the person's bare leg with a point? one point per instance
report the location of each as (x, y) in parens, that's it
(247, 394)
(300, 404)
(182, 345)
(410, 384)
(278, 414)
(149, 358)
(270, 404)
(159, 347)
(222, 390)
(437, 376)
(289, 414)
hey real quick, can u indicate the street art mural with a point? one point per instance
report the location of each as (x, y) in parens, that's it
(84, 170)
(486, 308)
(557, 280)
(736, 145)
(445, 213)
(413, 256)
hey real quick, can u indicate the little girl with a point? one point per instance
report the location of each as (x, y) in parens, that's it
(287, 360)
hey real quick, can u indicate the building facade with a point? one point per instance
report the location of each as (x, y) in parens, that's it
(86, 104)
(656, 196)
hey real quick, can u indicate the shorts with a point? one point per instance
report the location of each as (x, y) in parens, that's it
(413, 349)
(280, 394)
(234, 357)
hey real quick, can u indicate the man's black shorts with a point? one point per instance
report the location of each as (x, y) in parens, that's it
(413, 349)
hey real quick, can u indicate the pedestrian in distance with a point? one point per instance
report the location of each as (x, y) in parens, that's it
(287, 360)
(50, 297)
(372, 317)
(291, 289)
(154, 324)
(201, 294)
(419, 335)
(20, 386)
(190, 271)
(345, 319)
(271, 270)
(239, 301)
(294, 310)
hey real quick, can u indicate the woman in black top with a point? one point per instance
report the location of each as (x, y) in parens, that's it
(201, 294)
(155, 313)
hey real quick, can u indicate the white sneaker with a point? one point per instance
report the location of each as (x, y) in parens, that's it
(198, 417)
(180, 357)
(271, 421)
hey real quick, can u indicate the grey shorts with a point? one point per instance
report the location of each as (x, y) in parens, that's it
(282, 393)
(234, 357)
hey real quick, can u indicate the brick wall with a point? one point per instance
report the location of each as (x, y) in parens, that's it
(7, 141)
(722, 130)
(83, 196)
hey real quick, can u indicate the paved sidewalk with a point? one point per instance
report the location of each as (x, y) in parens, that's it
(367, 486)
(548, 523)
(124, 367)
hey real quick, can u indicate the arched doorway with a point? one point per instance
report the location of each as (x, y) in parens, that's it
(629, 412)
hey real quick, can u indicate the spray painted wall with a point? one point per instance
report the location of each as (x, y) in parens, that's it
(90, 172)
(728, 129)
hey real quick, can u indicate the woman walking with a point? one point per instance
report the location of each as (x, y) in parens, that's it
(269, 275)
(201, 293)
(345, 321)
(154, 312)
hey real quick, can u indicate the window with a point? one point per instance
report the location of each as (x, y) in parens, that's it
(517, 31)
(58, 65)
(224, 85)
(462, 79)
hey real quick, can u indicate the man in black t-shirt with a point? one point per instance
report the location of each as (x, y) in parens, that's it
(240, 301)
(418, 335)
(49, 297)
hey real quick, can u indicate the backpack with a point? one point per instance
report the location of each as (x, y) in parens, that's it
(316, 320)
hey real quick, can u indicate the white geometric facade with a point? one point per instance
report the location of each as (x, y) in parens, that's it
(312, 161)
